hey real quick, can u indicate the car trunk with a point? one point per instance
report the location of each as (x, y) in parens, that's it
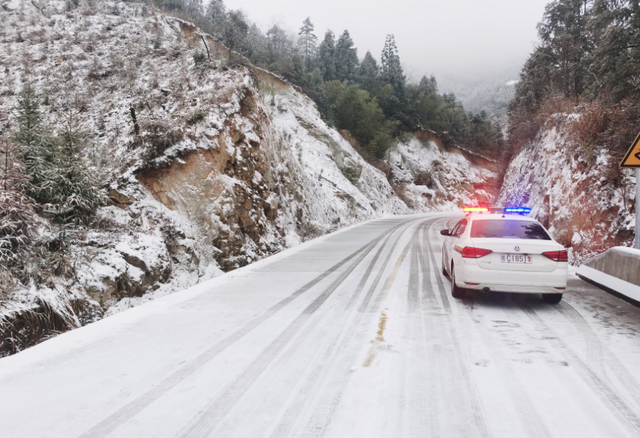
(531, 250)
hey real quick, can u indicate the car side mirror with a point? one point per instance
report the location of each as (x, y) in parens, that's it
(445, 232)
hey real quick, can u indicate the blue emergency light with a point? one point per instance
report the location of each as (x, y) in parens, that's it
(520, 210)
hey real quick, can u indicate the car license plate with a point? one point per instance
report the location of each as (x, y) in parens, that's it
(523, 259)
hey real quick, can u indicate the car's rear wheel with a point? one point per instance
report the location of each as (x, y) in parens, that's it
(456, 292)
(551, 298)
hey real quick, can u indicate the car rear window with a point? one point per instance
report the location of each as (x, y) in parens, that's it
(508, 229)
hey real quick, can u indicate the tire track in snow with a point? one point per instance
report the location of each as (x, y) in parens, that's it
(280, 380)
(595, 354)
(414, 282)
(319, 424)
(367, 299)
(428, 294)
(620, 371)
(421, 382)
(398, 378)
(327, 402)
(305, 400)
(206, 422)
(530, 419)
(443, 293)
(131, 409)
(232, 393)
(616, 404)
(451, 327)
(433, 373)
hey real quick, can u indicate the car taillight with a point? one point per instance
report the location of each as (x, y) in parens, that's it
(469, 252)
(557, 256)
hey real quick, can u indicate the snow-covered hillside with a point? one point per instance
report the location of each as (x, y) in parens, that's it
(433, 179)
(210, 164)
(569, 194)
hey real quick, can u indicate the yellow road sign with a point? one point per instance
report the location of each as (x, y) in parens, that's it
(632, 159)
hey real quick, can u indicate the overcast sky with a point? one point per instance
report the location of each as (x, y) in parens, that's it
(464, 37)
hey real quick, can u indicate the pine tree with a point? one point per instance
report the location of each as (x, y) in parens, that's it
(297, 73)
(391, 70)
(346, 58)
(307, 42)
(60, 181)
(27, 115)
(30, 134)
(279, 49)
(194, 8)
(18, 218)
(616, 26)
(567, 45)
(235, 31)
(327, 56)
(216, 16)
(75, 192)
(369, 74)
(393, 97)
(428, 85)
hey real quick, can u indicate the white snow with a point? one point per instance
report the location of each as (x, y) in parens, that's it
(614, 283)
(375, 347)
(628, 250)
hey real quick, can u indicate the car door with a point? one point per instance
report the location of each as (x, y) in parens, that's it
(450, 242)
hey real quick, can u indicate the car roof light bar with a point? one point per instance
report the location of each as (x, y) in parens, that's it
(504, 210)
(475, 209)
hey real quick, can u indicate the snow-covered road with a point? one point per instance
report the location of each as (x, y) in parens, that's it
(352, 335)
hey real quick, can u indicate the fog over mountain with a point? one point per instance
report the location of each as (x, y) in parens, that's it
(489, 92)
(464, 38)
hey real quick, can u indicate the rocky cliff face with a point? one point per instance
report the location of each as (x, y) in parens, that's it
(570, 194)
(430, 177)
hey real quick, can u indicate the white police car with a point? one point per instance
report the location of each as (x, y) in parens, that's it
(501, 250)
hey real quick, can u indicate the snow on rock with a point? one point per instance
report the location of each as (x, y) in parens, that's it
(434, 179)
(570, 195)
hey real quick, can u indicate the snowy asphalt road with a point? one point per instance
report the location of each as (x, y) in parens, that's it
(352, 335)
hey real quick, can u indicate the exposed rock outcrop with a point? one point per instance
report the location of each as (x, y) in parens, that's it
(432, 178)
(582, 208)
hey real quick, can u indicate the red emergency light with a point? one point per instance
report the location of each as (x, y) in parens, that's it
(475, 209)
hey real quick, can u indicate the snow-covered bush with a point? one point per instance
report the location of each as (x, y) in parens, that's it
(62, 185)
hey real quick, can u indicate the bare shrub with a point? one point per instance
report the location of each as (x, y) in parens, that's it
(525, 125)
(587, 129)
(156, 136)
(26, 327)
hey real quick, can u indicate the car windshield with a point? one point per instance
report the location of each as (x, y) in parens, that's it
(508, 229)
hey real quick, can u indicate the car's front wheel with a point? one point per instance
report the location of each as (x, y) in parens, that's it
(551, 298)
(456, 292)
